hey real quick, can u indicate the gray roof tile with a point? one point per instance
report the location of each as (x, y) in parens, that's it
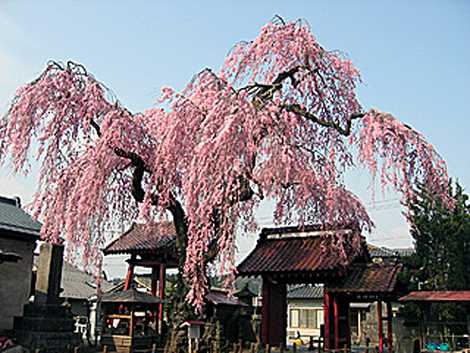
(13, 218)
(305, 291)
(77, 284)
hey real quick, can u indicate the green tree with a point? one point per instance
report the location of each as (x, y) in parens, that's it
(442, 242)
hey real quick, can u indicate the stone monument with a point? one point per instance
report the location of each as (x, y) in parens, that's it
(46, 324)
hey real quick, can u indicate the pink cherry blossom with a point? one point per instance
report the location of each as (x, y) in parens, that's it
(281, 119)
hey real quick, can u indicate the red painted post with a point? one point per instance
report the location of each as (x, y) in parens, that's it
(389, 327)
(161, 283)
(326, 319)
(379, 326)
(129, 277)
(336, 321)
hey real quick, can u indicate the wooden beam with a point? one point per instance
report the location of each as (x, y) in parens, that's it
(151, 263)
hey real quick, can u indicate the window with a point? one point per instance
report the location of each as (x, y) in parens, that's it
(294, 318)
(306, 318)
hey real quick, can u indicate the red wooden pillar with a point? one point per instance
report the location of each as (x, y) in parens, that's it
(326, 319)
(379, 326)
(336, 321)
(161, 291)
(389, 327)
(130, 274)
(274, 313)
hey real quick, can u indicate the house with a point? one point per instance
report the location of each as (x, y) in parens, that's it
(304, 311)
(18, 235)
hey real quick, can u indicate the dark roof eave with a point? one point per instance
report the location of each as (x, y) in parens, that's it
(20, 234)
(322, 271)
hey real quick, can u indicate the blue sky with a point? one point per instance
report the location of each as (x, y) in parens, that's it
(414, 57)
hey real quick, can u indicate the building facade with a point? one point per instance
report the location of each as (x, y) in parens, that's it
(18, 234)
(304, 311)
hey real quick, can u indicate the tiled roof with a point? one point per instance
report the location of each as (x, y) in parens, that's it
(305, 291)
(130, 296)
(251, 284)
(221, 297)
(404, 251)
(369, 278)
(380, 251)
(14, 219)
(438, 296)
(292, 249)
(144, 238)
(77, 284)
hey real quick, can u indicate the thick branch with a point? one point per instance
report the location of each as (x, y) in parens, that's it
(174, 207)
(266, 92)
(96, 127)
(295, 108)
(140, 168)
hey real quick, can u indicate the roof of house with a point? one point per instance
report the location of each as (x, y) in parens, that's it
(404, 251)
(248, 285)
(15, 220)
(218, 296)
(130, 296)
(381, 251)
(305, 291)
(369, 278)
(293, 249)
(77, 284)
(144, 238)
(437, 296)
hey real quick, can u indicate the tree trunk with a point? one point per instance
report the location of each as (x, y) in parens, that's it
(176, 340)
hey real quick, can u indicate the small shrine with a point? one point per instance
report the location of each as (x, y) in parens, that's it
(150, 246)
(129, 321)
(154, 246)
